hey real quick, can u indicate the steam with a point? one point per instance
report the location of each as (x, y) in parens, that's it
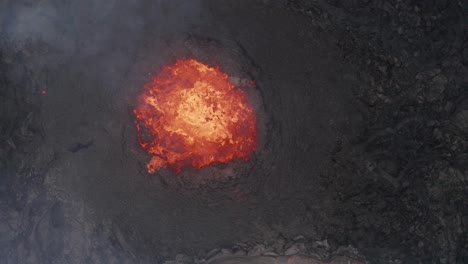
(86, 27)
(79, 51)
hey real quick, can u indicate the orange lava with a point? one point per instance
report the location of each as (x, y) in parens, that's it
(191, 115)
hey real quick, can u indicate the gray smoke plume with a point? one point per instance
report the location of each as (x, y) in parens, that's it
(76, 61)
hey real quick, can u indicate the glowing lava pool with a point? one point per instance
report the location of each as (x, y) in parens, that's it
(191, 115)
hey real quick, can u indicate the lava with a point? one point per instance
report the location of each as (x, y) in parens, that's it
(190, 114)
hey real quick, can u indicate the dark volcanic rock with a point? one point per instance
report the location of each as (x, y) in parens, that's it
(366, 119)
(410, 55)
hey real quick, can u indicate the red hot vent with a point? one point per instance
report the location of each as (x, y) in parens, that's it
(191, 115)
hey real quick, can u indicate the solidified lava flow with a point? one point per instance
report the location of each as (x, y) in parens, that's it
(190, 114)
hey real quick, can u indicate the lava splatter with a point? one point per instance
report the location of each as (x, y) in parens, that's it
(190, 114)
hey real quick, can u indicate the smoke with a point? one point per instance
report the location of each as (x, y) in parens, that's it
(88, 26)
(80, 53)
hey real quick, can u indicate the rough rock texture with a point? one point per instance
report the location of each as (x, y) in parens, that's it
(366, 111)
(410, 184)
(278, 251)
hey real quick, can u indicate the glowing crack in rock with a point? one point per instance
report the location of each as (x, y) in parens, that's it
(191, 115)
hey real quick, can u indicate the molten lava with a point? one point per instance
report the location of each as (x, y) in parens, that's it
(191, 115)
